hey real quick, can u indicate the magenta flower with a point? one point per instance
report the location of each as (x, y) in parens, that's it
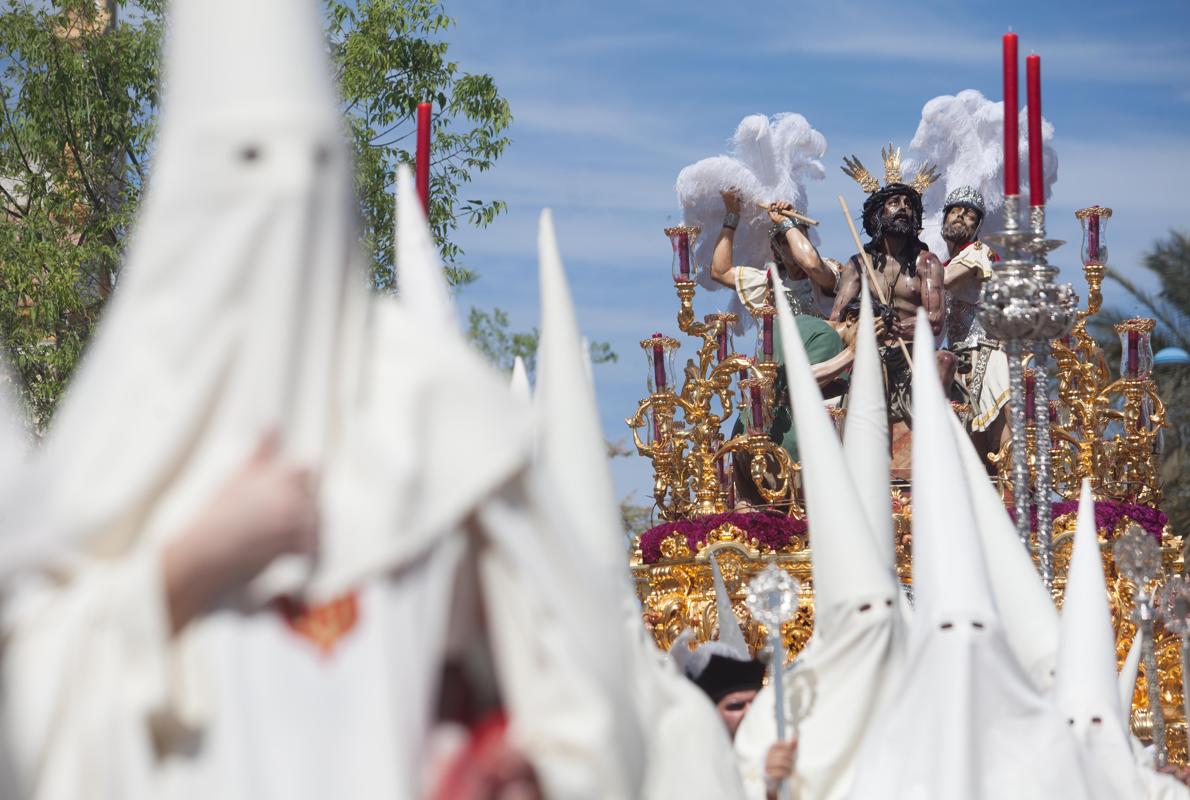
(770, 531)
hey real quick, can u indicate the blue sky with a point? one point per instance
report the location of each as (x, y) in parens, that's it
(612, 99)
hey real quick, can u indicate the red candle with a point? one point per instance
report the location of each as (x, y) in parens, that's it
(1012, 156)
(767, 337)
(1033, 100)
(423, 155)
(1133, 362)
(1093, 238)
(658, 362)
(757, 409)
(723, 342)
(684, 255)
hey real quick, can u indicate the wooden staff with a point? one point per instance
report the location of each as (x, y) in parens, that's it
(790, 214)
(863, 255)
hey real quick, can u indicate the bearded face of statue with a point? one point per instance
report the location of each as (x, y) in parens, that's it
(960, 225)
(896, 217)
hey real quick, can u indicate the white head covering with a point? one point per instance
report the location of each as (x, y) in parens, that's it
(865, 437)
(519, 381)
(570, 442)
(421, 283)
(965, 721)
(568, 418)
(1027, 613)
(848, 570)
(1086, 688)
(730, 633)
(243, 307)
(856, 652)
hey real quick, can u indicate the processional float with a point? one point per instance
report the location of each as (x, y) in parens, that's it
(1069, 420)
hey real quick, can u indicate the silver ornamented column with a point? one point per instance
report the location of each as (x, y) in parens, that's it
(1056, 315)
(1008, 316)
(1025, 309)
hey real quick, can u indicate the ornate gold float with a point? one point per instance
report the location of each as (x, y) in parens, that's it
(1104, 429)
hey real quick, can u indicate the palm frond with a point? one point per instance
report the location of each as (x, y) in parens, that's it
(1169, 259)
(1173, 323)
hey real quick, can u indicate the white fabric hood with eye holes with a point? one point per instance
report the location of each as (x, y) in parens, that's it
(1026, 609)
(686, 750)
(966, 721)
(1086, 686)
(849, 668)
(244, 306)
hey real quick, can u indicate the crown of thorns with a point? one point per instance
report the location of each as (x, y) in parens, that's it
(892, 172)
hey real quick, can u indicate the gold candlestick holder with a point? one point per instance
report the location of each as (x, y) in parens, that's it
(680, 429)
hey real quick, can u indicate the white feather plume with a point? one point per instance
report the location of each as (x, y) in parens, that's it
(769, 159)
(962, 135)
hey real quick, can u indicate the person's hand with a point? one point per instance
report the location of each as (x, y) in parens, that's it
(1181, 773)
(778, 764)
(264, 510)
(848, 332)
(731, 200)
(775, 210)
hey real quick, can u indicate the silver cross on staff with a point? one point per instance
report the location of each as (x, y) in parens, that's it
(1138, 558)
(772, 599)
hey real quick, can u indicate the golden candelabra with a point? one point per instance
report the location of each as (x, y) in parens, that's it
(680, 430)
(1104, 429)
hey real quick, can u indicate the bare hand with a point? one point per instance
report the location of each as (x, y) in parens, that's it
(1181, 773)
(778, 764)
(731, 200)
(264, 510)
(267, 509)
(775, 210)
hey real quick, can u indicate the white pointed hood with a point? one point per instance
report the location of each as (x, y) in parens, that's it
(18, 548)
(570, 444)
(848, 571)
(1027, 613)
(966, 721)
(855, 655)
(865, 436)
(243, 306)
(949, 573)
(569, 437)
(1086, 686)
(519, 381)
(421, 283)
(730, 633)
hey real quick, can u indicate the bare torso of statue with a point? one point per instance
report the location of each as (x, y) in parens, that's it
(906, 289)
(905, 275)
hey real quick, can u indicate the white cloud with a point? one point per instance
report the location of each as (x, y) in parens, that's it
(890, 37)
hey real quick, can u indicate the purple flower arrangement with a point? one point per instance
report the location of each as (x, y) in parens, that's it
(768, 530)
(1108, 514)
